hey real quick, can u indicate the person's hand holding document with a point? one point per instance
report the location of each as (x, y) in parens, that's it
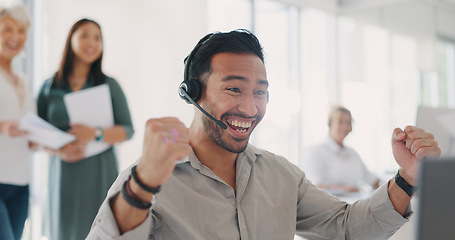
(43, 133)
(91, 107)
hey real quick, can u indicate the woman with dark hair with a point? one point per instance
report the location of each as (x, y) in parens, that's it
(78, 183)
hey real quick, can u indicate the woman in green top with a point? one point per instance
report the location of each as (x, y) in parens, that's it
(78, 184)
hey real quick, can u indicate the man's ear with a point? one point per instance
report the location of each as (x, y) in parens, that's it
(267, 96)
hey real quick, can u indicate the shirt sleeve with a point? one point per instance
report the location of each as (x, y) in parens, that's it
(121, 111)
(323, 216)
(105, 226)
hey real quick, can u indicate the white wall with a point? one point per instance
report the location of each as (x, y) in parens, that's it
(145, 42)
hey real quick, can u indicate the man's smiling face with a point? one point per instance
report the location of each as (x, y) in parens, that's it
(236, 93)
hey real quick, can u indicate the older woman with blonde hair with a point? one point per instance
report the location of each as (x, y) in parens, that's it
(15, 101)
(334, 166)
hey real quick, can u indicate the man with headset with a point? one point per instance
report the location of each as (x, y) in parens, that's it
(207, 182)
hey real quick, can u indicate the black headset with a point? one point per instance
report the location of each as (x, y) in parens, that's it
(190, 90)
(192, 87)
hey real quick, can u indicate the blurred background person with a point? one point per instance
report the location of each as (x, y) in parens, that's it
(78, 184)
(332, 165)
(16, 100)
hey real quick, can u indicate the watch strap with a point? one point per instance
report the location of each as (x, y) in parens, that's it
(99, 134)
(407, 188)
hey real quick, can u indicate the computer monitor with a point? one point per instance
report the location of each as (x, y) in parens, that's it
(429, 119)
(436, 200)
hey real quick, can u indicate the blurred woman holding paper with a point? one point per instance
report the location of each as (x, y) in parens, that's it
(16, 100)
(78, 183)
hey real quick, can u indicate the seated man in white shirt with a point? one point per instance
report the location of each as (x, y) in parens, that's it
(334, 166)
(208, 182)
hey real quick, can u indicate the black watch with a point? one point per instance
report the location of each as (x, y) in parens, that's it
(408, 188)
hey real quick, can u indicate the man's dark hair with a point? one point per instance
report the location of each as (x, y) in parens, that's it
(238, 41)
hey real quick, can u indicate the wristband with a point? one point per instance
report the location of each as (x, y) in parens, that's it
(408, 188)
(142, 185)
(131, 199)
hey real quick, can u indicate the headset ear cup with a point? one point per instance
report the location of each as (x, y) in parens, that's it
(192, 88)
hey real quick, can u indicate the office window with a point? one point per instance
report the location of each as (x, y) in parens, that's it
(318, 82)
(438, 86)
(314, 60)
(276, 25)
(379, 83)
(444, 84)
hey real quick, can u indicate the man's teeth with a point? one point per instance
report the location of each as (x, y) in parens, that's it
(237, 123)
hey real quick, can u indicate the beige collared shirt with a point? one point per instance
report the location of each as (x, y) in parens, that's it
(274, 201)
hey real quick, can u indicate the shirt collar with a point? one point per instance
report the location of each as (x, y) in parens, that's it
(251, 153)
(332, 144)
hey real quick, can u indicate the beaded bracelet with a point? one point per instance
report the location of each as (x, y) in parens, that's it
(141, 184)
(132, 199)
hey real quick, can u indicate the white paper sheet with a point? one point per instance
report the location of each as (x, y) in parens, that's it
(43, 132)
(91, 107)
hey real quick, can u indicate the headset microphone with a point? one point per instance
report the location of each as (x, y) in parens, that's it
(182, 92)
